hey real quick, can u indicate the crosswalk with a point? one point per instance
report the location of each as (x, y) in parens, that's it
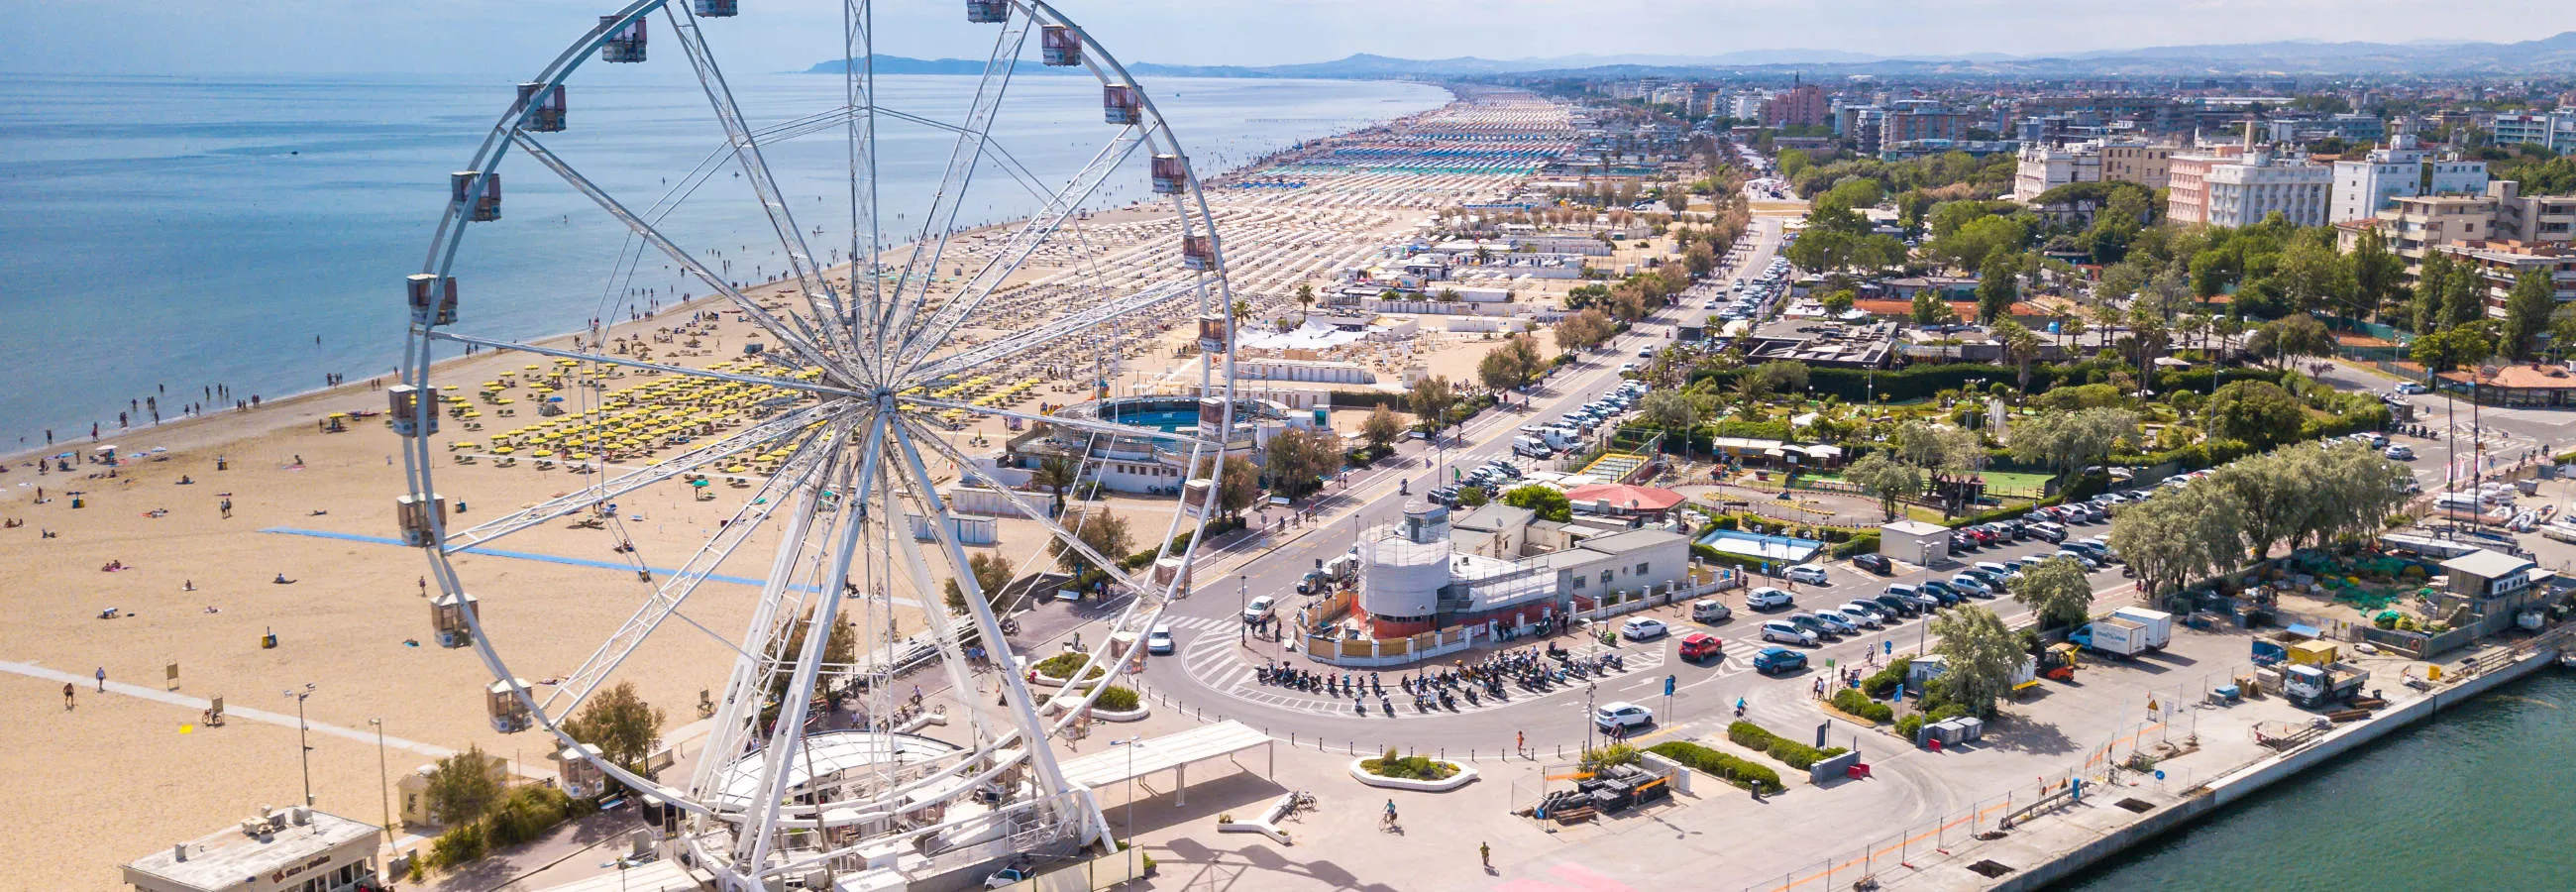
(1211, 656)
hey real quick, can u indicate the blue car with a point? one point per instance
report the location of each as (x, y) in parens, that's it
(1776, 660)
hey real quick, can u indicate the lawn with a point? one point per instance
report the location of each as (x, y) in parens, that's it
(2016, 484)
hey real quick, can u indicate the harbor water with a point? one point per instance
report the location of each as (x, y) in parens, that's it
(167, 234)
(2476, 799)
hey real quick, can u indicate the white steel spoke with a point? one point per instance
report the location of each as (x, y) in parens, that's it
(1110, 428)
(670, 595)
(630, 362)
(966, 467)
(997, 351)
(798, 338)
(920, 341)
(859, 92)
(810, 280)
(954, 181)
(755, 436)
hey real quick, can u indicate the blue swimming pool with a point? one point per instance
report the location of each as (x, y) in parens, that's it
(1165, 420)
(1787, 549)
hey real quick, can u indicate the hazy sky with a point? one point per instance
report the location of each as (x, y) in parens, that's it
(513, 36)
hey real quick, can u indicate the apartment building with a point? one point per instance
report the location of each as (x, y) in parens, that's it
(2363, 186)
(2264, 184)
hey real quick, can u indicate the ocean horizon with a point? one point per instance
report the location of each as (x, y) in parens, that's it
(169, 234)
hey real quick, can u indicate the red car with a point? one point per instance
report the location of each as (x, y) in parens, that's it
(1700, 646)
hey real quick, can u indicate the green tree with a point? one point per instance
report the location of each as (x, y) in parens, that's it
(1299, 460)
(1546, 502)
(2452, 348)
(2288, 336)
(1102, 530)
(1997, 286)
(1969, 246)
(2259, 413)
(2172, 539)
(2462, 302)
(1430, 399)
(1584, 330)
(1471, 496)
(1980, 655)
(1057, 474)
(1840, 302)
(620, 724)
(1306, 300)
(992, 574)
(1669, 411)
(2376, 272)
(2056, 592)
(2432, 282)
(2070, 441)
(2021, 347)
(1381, 429)
(1930, 309)
(463, 787)
(2312, 277)
(2526, 315)
(1885, 477)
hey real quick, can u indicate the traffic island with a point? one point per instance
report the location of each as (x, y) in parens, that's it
(1421, 774)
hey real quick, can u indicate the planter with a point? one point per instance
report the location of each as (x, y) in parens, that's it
(1466, 775)
(1137, 714)
(1041, 678)
(1267, 824)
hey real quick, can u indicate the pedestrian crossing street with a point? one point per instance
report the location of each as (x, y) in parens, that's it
(1212, 656)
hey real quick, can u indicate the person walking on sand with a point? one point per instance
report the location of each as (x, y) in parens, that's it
(68, 692)
(102, 679)
(1485, 852)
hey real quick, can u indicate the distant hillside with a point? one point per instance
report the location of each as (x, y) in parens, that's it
(2550, 55)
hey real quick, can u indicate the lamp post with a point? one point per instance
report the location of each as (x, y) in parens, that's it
(1589, 688)
(304, 740)
(384, 779)
(1242, 601)
(1130, 743)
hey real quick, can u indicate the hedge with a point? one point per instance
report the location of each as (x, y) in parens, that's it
(526, 813)
(1710, 762)
(1910, 725)
(1115, 698)
(1857, 545)
(1854, 703)
(1790, 752)
(1064, 664)
(1883, 683)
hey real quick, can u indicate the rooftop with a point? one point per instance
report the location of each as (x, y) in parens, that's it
(222, 859)
(2486, 564)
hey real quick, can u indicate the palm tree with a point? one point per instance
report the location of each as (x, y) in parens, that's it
(1057, 474)
(1305, 301)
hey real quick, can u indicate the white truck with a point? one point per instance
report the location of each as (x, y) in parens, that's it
(2112, 635)
(2159, 624)
(2314, 686)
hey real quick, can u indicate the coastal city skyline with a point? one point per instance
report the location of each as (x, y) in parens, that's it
(132, 37)
(1950, 447)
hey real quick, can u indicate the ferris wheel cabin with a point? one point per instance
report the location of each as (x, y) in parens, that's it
(1212, 337)
(988, 12)
(407, 413)
(486, 204)
(624, 44)
(433, 299)
(717, 9)
(1059, 46)
(1171, 175)
(1198, 497)
(542, 108)
(508, 710)
(448, 619)
(1198, 252)
(414, 512)
(1120, 104)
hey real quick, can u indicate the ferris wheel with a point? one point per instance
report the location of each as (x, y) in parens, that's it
(834, 438)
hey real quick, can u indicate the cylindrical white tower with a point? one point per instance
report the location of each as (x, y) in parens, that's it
(1403, 569)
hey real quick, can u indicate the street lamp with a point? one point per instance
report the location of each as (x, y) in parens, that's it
(1589, 688)
(1242, 602)
(1130, 743)
(384, 779)
(303, 739)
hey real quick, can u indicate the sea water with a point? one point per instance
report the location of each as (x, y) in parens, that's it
(162, 235)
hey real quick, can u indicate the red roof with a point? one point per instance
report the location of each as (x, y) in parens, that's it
(1622, 496)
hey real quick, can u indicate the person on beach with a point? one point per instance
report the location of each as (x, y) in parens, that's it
(68, 696)
(102, 679)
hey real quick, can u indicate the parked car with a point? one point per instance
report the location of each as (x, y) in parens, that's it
(1619, 714)
(1767, 598)
(1969, 584)
(1831, 620)
(2399, 452)
(1875, 563)
(1711, 611)
(1787, 632)
(1776, 660)
(1876, 613)
(1810, 574)
(2411, 388)
(1857, 619)
(1701, 646)
(1941, 591)
(1898, 605)
(1644, 628)
(1158, 640)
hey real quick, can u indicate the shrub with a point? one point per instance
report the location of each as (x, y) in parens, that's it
(1608, 756)
(1064, 664)
(1115, 698)
(460, 844)
(1883, 682)
(1408, 767)
(1707, 761)
(1790, 752)
(1910, 725)
(1852, 702)
(1858, 544)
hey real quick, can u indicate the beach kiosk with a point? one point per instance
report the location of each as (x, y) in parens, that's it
(505, 701)
(295, 850)
(451, 618)
(1121, 104)
(1059, 46)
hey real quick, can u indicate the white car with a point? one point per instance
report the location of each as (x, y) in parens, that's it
(1766, 598)
(1159, 640)
(1259, 609)
(1809, 574)
(1858, 618)
(1869, 613)
(1787, 632)
(1619, 714)
(1644, 629)
(2411, 388)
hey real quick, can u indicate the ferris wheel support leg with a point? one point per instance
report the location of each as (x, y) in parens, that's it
(1023, 707)
(944, 633)
(788, 738)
